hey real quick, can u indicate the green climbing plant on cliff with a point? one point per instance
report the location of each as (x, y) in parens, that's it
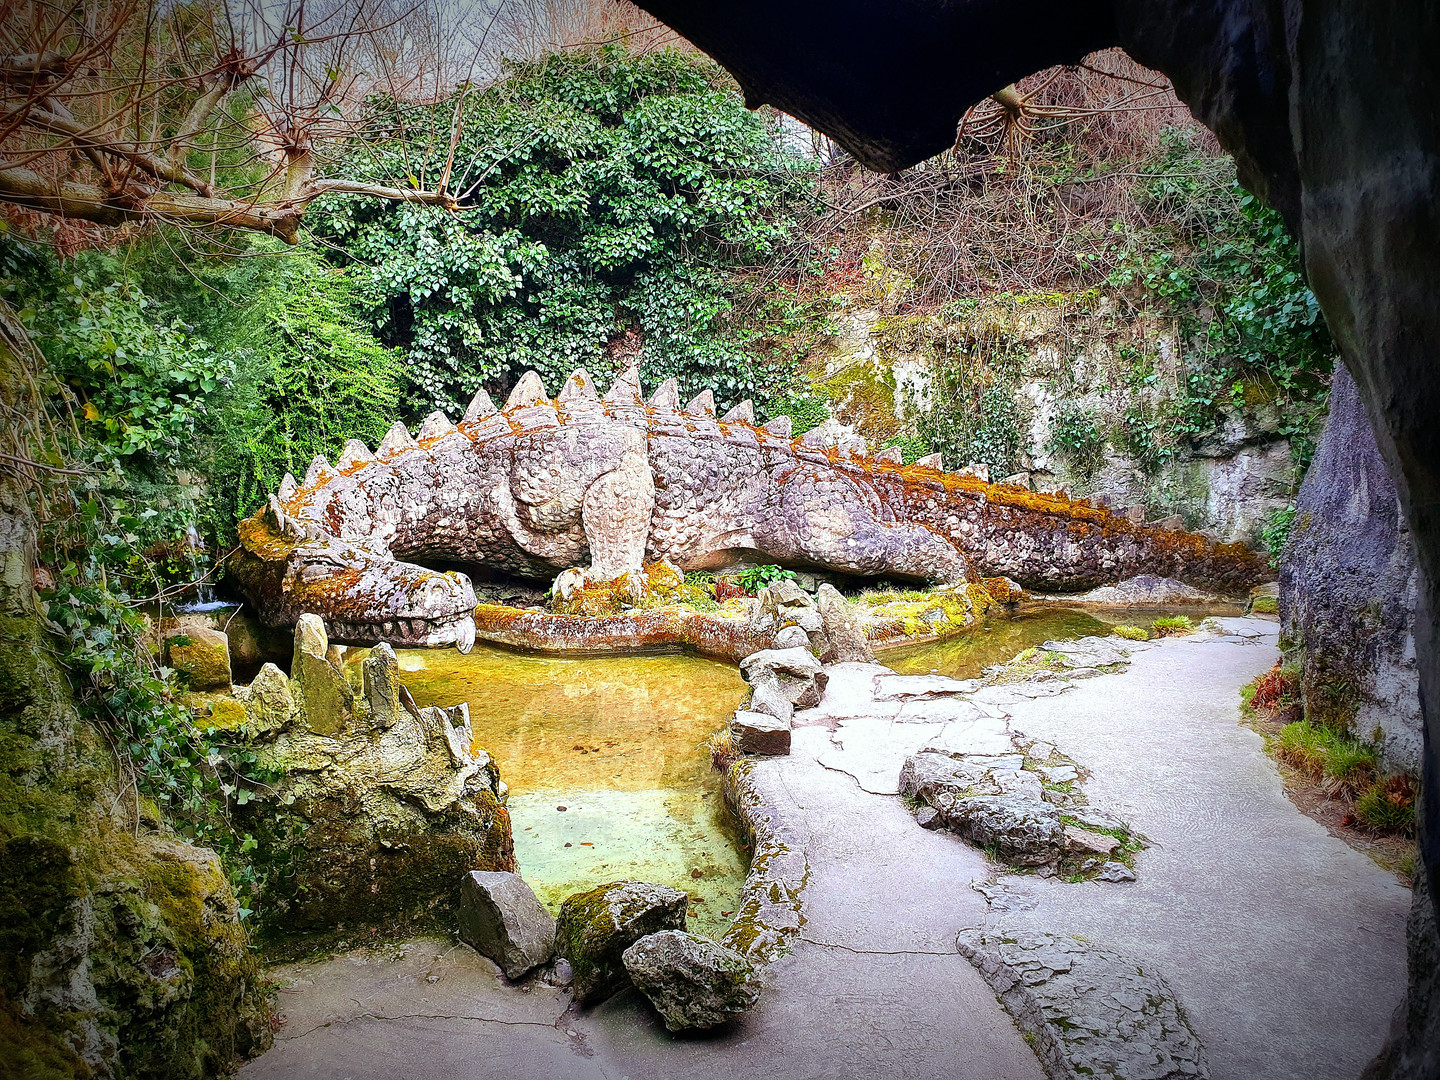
(612, 205)
(309, 376)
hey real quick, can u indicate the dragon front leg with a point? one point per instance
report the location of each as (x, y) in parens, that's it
(616, 514)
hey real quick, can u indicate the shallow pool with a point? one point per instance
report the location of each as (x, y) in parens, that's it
(605, 758)
(966, 655)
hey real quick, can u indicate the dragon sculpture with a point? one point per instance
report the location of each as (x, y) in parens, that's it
(541, 486)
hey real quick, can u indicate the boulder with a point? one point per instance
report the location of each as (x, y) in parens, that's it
(201, 656)
(1349, 586)
(269, 706)
(691, 981)
(783, 680)
(792, 637)
(379, 821)
(845, 642)
(324, 695)
(767, 697)
(760, 733)
(596, 927)
(501, 918)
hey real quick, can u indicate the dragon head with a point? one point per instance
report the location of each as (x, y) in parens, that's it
(288, 568)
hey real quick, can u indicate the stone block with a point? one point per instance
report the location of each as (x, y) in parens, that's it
(501, 918)
(201, 656)
(760, 733)
(324, 695)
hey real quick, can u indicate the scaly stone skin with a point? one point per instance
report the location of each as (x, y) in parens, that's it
(541, 485)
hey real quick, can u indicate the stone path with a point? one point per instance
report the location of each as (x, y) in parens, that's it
(1284, 946)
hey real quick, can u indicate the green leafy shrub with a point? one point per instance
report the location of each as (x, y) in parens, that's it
(613, 203)
(1076, 437)
(1275, 532)
(754, 578)
(1131, 633)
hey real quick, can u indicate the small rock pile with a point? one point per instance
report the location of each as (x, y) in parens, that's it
(824, 624)
(626, 933)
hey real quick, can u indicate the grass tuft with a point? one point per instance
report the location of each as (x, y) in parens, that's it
(1131, 633)
(1387, 806)
(1172, 626)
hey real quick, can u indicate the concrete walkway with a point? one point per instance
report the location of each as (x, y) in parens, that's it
(1285, 946)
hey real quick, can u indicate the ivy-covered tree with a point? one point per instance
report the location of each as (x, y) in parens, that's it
(610, 204)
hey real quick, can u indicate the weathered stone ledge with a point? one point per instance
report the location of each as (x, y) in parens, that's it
(712, 634)
(769, 916)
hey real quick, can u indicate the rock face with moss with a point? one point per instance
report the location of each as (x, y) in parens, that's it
(1348, 588)
(596, 927)
(381, 812)
(691, 981)
(121, 947)
(543, 486)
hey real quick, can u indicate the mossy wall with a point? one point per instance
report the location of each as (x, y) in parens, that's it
(121, 947)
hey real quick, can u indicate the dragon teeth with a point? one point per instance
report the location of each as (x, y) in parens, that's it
(435, 425)
(626, 390)
(703, 405)
(667, 396)
(396, 439)
(781, 426)
(355, 453)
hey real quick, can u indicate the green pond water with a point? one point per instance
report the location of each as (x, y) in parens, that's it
(965, 656)
(605, 758)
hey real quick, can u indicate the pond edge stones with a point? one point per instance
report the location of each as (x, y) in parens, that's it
(596, 927)
(691, 981)
(502, 919)
(781, 680)
(1087, 1011)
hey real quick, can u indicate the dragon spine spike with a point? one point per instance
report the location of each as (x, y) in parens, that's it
(528, 391)
(626, 390)
(287, 489)
(892, 454)
(702, 406)
(667, 396)
(396, 439)
(479, 408)
(742, 413)
(781, 426)
(355, 453)
(578, 387)
(435, 425)
(319, 468)
(931, 461)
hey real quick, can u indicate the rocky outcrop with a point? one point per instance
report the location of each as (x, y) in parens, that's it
(596, 927)
(1348, 589)
(379, 813)
(991, 801)
(538, 487)
(500, 917)
(121, 947)
(691, 981)
(1087, 1011)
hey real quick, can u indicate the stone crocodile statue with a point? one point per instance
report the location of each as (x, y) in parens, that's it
(541, 486)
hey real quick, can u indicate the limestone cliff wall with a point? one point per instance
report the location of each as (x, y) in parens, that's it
(1061, 361)
(1348, 588)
